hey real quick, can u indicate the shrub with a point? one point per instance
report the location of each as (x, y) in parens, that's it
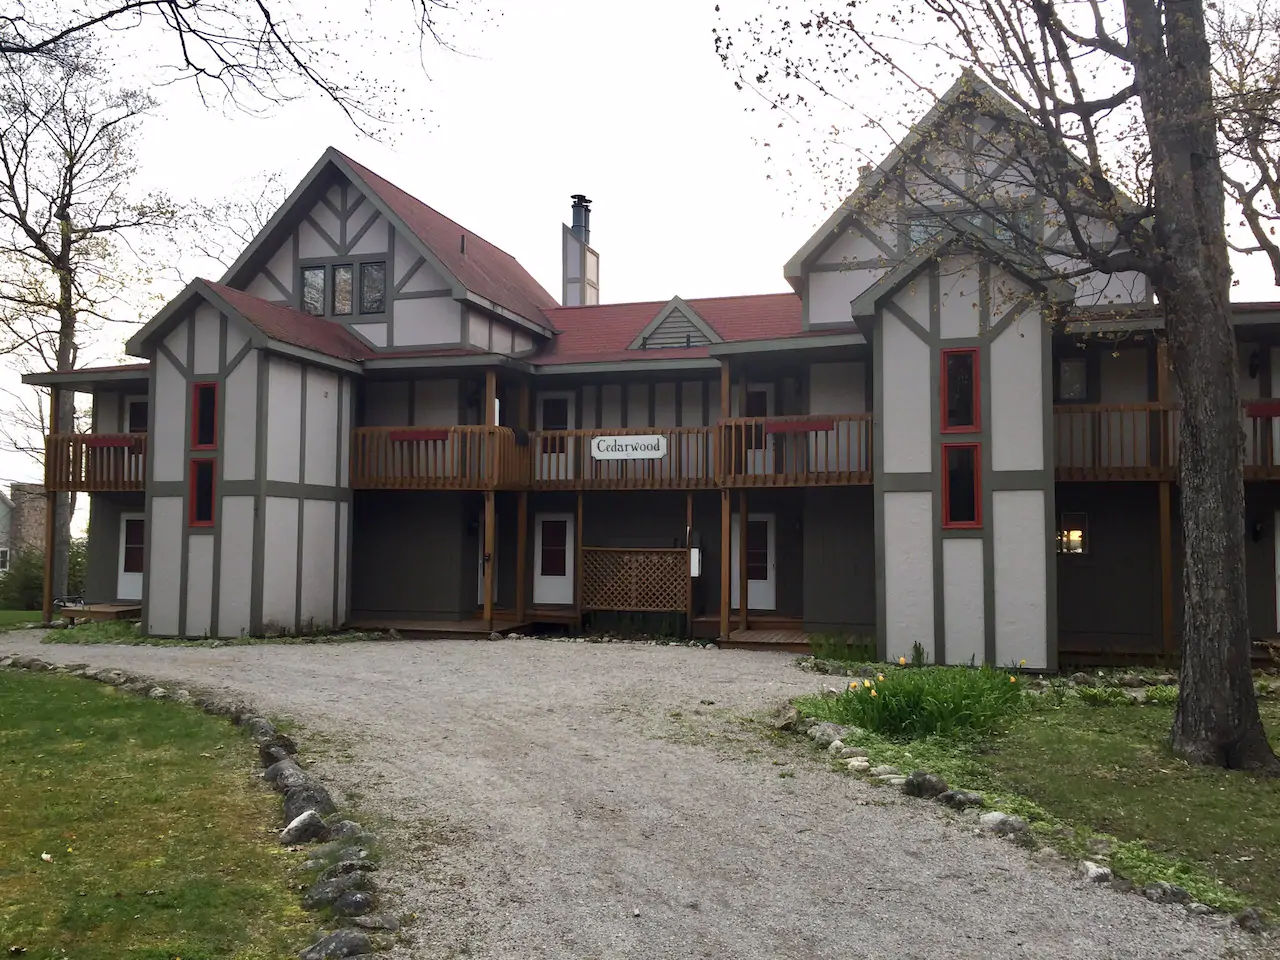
(846, 649)
(951, 701)
(1162, 696)
(22, 587)
(1102, 696)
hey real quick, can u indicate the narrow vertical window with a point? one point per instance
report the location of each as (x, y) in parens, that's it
(1073, 533)
(134, 559)
(313, 291)
(201, 500)
(960, 398)
(373, 287)
(204, 416)
(961, 485)
(342, 290)
(1073, 379)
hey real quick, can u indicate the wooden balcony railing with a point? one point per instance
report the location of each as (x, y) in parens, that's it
(563, 460)
(437, 458)
(801, 451)
(95, 462)
(1262, 439)
(1118, 441)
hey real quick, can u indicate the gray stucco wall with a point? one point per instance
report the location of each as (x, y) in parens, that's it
(102, 560)
(405, 556)
(839, 558)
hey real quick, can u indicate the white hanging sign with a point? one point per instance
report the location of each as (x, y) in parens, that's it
(649, 447)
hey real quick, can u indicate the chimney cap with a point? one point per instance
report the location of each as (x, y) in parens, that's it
(579, 199)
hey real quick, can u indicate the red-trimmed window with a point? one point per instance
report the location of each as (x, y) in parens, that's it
(961, 399)
(204, 416)
(201, 501)
(961, 485)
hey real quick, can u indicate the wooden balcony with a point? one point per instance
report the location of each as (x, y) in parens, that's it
(1262, 439)
(801, 451)
(563, 460)
(438, 458)
(95, 462)
(1128, 441)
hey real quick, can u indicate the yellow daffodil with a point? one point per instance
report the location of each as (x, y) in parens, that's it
(874, 694)
(1013, 679)
(866, 683)
(902, 661)
(879, 676)
(854, 685)
(1022, 663)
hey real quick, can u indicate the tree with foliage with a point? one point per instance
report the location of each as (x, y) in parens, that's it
(1132, 128)
(71, 218)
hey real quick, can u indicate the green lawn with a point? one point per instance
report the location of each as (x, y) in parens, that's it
(159, 840)
(11, 618)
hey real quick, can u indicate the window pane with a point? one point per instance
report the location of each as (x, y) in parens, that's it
(1073, 379)
(555, 548)
(205, 416)
(134, 532)
(373, 287)
(342, 291)
(757, 550)
(313, 291)
(923, 229)
(555, 413)
(961, 397)
(1073, 533)
(202, 492)
(961, 464)
(137, 416)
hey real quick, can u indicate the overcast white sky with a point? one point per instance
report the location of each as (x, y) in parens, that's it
(626, 103)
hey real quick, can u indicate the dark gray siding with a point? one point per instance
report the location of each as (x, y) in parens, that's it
(1262, 500)
(840, 555)
(412, 556)
(102, 560)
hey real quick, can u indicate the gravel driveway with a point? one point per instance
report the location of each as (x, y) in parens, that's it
(545, 792)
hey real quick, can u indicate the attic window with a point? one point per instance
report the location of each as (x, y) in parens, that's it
(676, 329)
(373, 287)
(313, 291)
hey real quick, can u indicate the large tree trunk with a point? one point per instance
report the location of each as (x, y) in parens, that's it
(67, 332)
(1217, 719)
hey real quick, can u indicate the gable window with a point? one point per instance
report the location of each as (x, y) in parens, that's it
(313, 291)
(4, 559)
(204, 416)
(961, 409)
(961, 485)
(373, 287)
(923, 228)
(200, 505)
(1073, 533)
(342, 290)
(135, 415)
(1073, 379)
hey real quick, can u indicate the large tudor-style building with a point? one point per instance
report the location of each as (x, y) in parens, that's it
(378, 417)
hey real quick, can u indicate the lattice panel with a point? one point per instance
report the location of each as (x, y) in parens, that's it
(639, 581)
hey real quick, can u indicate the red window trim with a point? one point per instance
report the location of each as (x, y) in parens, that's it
(213, 493)
(976, 523)
(976, 426)
(195, 415)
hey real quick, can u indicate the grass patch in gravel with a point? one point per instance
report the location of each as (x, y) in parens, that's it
(128, 633)
(1077, 771)
(158, 839)
(13, 619)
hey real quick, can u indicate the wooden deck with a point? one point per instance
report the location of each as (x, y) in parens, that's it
(101, 611)
(788, 641)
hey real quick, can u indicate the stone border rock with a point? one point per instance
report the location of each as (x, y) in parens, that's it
(921, 784)
(343, 887)
(639, 640)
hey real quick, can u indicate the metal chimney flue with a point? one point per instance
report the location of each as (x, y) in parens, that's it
(581, 217)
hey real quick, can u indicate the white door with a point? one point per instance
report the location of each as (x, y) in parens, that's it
(762, 562)
(133, 529)
(555, 454)
(553, 550)
(758, 445)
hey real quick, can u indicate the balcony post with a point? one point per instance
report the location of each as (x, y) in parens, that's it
(489, 523)
(1166, 505)
(742, 560)
(726, 518)
(50, 507)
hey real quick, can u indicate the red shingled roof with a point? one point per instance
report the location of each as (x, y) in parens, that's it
(603, 333)
(484, 269)
(294, 327)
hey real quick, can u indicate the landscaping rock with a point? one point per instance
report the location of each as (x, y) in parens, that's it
(260, 727)
(894, 781)
(1001, 824)
(1098, 847)
(113, 677)
(157, 693)
(1122, 885)
(1131, 680)
(960, 799)
(806, 724)
(1081, 679)
(1091, 872)
(1161, 892)
(271, 755)
(285, 774)
(344, 829)
(835, 747)
(7, 661)
(788, 718)
(338, 945)
(307, 826)
(710, 646)
(884, 770)
(1197, 909)
(848, 753)
(1167, 680)
(309, 796)
(921, 783)
(859, 765)
(824, 733)
(355, 903)
(381, 921)
(182, 696)
(343, 867)
(324, 893)
(495, 635)
(339, 849)
(1251, 920)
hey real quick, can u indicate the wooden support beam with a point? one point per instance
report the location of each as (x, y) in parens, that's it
(522, 406)
(688, 543)
(522, 551)
(726, 518)
(491, 398)
(1167, 630)
(50, 509)
(490, 522)
(742, 560)
(577, 564)
(724, 389)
